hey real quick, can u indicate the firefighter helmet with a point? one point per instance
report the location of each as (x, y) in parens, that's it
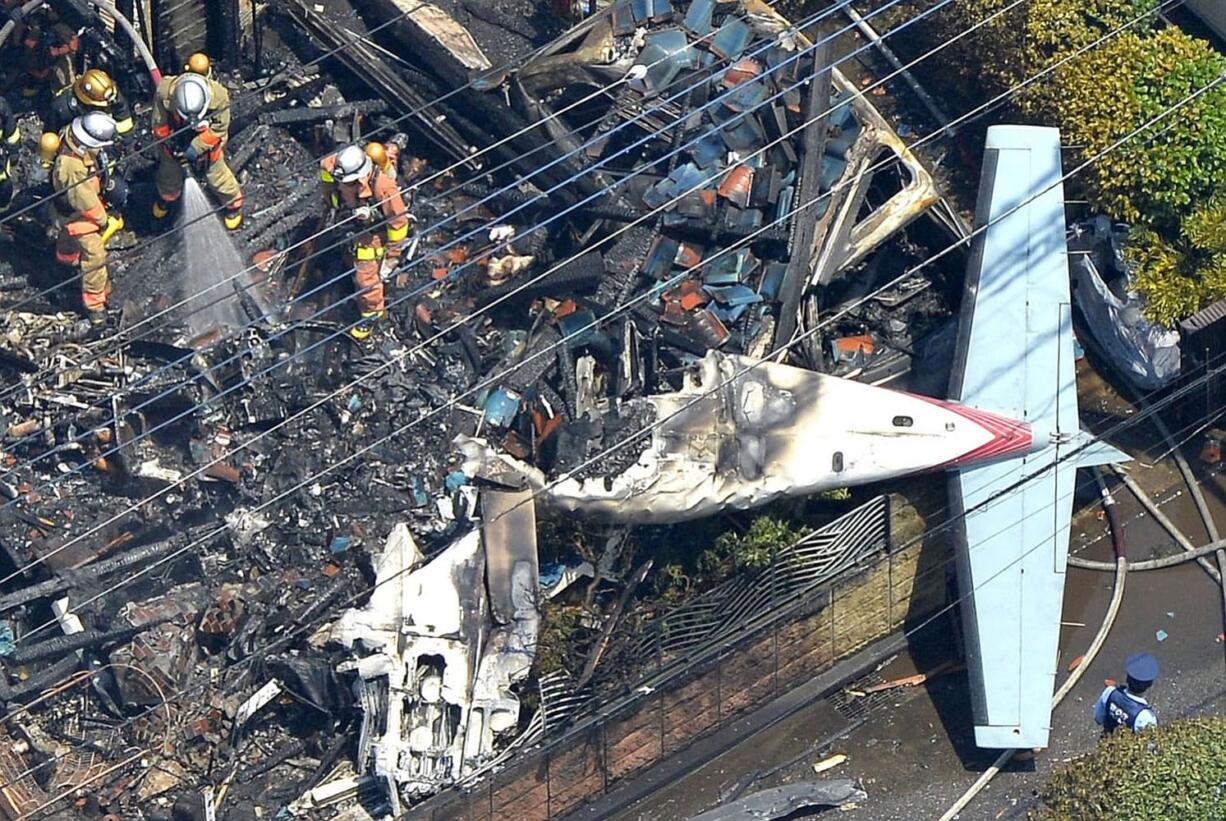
(352, 164)
(199, 63)
(377, 154)
(93, 129)
(48, 146)
(192, 97)
(95, 88)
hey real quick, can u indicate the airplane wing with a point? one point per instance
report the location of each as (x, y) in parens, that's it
(1015, 358)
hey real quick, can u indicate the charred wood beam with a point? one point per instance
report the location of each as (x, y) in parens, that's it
(146, 554)
(371, 69)
(611, 622)
(61, 645)
(269, 764)
(294, 116)
(804, 224)
(50, 675)
(248, 144)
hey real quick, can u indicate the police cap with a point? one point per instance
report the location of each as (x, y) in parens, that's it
(1141, 667)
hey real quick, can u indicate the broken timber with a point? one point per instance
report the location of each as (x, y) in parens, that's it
(362, 61)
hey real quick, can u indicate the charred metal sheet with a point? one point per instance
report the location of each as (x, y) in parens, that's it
(782, 802)
(435, 666)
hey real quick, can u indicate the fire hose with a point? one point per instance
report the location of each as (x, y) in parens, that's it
(1121, 567)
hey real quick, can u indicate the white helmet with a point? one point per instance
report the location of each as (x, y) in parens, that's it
(192, 97)
(94, 130)
(352, 164)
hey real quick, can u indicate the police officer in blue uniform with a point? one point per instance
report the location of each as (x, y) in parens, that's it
(1123, 705)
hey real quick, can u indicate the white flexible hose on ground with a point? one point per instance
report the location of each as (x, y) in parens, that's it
(1117, 598)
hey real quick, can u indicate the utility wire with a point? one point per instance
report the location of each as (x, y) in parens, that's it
(360, 379)
(394, 302)
(1154, 408)
(657, 423)
(504, 190)
(125, 334)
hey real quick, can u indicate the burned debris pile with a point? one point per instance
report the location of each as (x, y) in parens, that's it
(252, 559)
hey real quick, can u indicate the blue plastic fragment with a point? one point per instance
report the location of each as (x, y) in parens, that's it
(748, 96)
(841, 142)
(734, 294)
(744, 135)
(698, 17)
(455, 480)
(303, 584)
(1161, 635)
(731, 39)
(729, 315)
(340, 544)
(728, 269)
(660, 193)
(7, 642)
(660, 258)
(501, 407)
(659, 10)
(623, 19)
(355, 404)
(688, 176)
(832, 169)
(665, 54)
(707, 151)
(772, 281)
(418, 489)
(577, 328)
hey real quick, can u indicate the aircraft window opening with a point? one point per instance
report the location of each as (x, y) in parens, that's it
(836, 461)
(903, 421)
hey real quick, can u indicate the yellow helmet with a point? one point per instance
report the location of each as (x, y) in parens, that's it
(199, 63)
(377, 154)
(48, 146)
(95, 88)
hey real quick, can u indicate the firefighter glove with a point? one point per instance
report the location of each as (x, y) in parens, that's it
(364, 214)
(192, 154)
(113, 226)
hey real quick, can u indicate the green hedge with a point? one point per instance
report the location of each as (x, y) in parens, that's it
(1169, 182)
(1176, 771)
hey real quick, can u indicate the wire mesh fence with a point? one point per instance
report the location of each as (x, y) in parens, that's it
(722, 654)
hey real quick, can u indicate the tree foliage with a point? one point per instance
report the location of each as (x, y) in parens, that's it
(1158, 180)
(1174, 771)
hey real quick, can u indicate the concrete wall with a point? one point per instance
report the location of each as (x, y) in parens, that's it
(863, 606)
(1213, 12)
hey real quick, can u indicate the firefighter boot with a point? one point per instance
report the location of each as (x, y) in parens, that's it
(233, 218)
(366, 325)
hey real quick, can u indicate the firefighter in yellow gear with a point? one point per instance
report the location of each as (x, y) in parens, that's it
(49, 48)
(78, 180)
(94, 90)
(10, 141)
(363, 196)
(191, 118)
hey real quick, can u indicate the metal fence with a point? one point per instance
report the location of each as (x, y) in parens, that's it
(729, 650)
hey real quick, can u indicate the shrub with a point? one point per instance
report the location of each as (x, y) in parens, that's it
(1158, 179)
(1174, 771)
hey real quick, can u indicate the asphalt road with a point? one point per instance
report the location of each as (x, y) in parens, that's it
(912, 748)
